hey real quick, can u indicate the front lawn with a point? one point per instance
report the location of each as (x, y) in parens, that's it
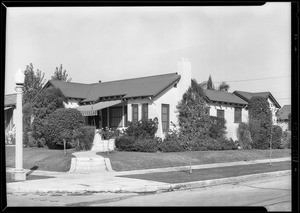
(41, 159)
(125, 161)
(212, 173)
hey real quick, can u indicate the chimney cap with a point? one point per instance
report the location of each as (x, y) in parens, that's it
(100, 81)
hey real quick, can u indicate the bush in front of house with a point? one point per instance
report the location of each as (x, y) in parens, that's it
(276, 137)
(217, 128)
(146, 145)
(260, 122)
(83, 137)
(62, 122)
(244, 136)
(286, 140)
(143, 129)
(39, 129)
(171, 146)
(125, 143)
(211, 144)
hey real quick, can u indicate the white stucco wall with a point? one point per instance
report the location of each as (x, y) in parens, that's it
(284, 125)
(273, 109)
(229, 117)
(154, 107)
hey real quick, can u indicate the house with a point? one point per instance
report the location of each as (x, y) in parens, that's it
(111, 104)
(228, 106)
(10, 111)
(283, 119)
(274, 105)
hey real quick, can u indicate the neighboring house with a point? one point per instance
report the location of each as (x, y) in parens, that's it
(228, 106)
(283, 118)
(274, 105)
(111, 104)
(233, 107)
(10, 111)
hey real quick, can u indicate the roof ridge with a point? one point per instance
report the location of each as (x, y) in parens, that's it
(138, 78)
(71, 82)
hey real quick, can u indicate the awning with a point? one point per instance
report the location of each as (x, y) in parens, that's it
(6, 108)
(91, 110)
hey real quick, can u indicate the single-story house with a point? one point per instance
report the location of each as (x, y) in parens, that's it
(228, 106)
(274, 105)
(283, 119)
(111, 104)
(10, 111)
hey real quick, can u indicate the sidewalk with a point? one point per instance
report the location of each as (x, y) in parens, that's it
(105, 181)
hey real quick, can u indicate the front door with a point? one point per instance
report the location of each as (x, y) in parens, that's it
(104, 118)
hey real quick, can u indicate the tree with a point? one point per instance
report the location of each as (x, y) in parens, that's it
(194, 121)
(210, 84)
(34, 82)
(223, 86)
(60, 75)
(48, 101)
(260, 122)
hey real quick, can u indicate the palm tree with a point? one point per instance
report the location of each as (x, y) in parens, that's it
(209, 85)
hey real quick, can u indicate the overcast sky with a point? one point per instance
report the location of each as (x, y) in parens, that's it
(112, 43)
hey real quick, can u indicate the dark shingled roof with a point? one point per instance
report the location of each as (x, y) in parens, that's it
(248, 95)
(284, 112)
(128, 88)
(225, 97)
(10, 100)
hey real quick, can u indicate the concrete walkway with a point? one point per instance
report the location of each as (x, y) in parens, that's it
(89, 162)
(104, 181)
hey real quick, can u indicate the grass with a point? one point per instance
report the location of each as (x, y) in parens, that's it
(212, 173)
(125, 161)
(41, 159)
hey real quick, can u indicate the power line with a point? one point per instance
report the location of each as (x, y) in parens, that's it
(257, 79)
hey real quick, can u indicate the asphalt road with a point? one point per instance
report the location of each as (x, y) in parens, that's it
(272, 193)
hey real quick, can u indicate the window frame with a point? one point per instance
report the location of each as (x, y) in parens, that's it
(133, 106)
(168, 117)
(145, 113)
(235, 115)
(221, 110)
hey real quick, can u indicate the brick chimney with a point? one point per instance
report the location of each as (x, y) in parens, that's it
(185, 71)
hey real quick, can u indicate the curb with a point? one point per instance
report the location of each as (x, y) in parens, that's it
(153, 189)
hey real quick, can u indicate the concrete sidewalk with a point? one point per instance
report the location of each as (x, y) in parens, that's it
(99, 181)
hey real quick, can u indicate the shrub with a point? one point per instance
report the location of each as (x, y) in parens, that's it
(109, 133)
(214, 144)
(146, 145)
(276, 137)
(39, 128)
(286, 140)
(171, 146)
(84, 137)
(143, 129)
(125, 143)
(32, 142)
(260, 122)
(217, 128)
(62, 121)
(244, 136)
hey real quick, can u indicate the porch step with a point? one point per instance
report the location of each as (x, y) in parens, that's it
(101, 145)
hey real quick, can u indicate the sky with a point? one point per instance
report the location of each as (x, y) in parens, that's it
(232, 44)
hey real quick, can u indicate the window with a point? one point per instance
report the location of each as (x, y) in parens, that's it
(165, 117)
(125, 115)
(220, 113)
(145, 111)
(115, 114)
(207, 110)
(135, 113)
(237, 115)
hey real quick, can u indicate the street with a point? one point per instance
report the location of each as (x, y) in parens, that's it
(272, 193)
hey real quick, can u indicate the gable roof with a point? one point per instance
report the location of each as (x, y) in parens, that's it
(248, 95)
(128, 88)
(284, 112)
(223, 97)
(70, 89)
(10, 100)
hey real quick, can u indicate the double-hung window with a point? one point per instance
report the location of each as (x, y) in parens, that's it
(237, 114)
(165, 117)
(220, 113)
(135, 113)
(145, 111)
